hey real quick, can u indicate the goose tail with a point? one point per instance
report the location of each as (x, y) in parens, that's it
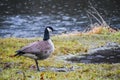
(19, 53)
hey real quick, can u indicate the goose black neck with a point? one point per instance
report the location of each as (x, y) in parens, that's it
(46, 35)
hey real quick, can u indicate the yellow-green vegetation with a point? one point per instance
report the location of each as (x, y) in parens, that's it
(21, 68)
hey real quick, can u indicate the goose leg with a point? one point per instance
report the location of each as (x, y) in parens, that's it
(37, 65)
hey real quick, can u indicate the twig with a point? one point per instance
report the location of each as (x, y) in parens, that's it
(91, 6)
(94, 17)
(101, 21)
(90, 19)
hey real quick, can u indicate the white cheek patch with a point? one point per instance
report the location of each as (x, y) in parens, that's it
(49, 29)
(30, 56)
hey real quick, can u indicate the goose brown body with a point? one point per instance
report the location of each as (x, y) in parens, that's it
(38, 50)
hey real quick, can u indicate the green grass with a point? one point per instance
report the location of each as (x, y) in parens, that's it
(21, 68)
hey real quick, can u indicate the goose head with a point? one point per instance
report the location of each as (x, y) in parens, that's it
(46, 32)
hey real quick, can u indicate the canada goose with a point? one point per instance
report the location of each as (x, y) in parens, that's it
(38, 50)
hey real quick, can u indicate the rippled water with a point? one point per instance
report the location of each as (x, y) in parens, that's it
(28, 18)
(33, 26)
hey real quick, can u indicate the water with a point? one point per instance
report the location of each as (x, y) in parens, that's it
(28, 18)
(33, 26)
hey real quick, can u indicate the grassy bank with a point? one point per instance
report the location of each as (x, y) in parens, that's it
(21, 68)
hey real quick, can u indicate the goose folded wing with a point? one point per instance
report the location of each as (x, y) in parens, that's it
(36, 47)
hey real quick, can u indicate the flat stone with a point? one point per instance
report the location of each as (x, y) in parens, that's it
(108, 58)
(1, 69)
(59, 69)
(90, 57)
(118, 55)
(100, 56)
(112, 56)
(112, 44)
(85, 61)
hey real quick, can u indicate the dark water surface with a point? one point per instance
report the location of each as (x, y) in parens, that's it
(33, 26)
(28, 18)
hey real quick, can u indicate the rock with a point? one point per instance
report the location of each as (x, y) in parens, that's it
(112, 44)
(109, 53)
(59, 69)
(62, 69)
(112, 56)
(90, 57)
(85, 61)
(1, 69)
(100, 56)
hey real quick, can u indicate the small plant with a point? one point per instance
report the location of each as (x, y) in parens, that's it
(99, 25)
